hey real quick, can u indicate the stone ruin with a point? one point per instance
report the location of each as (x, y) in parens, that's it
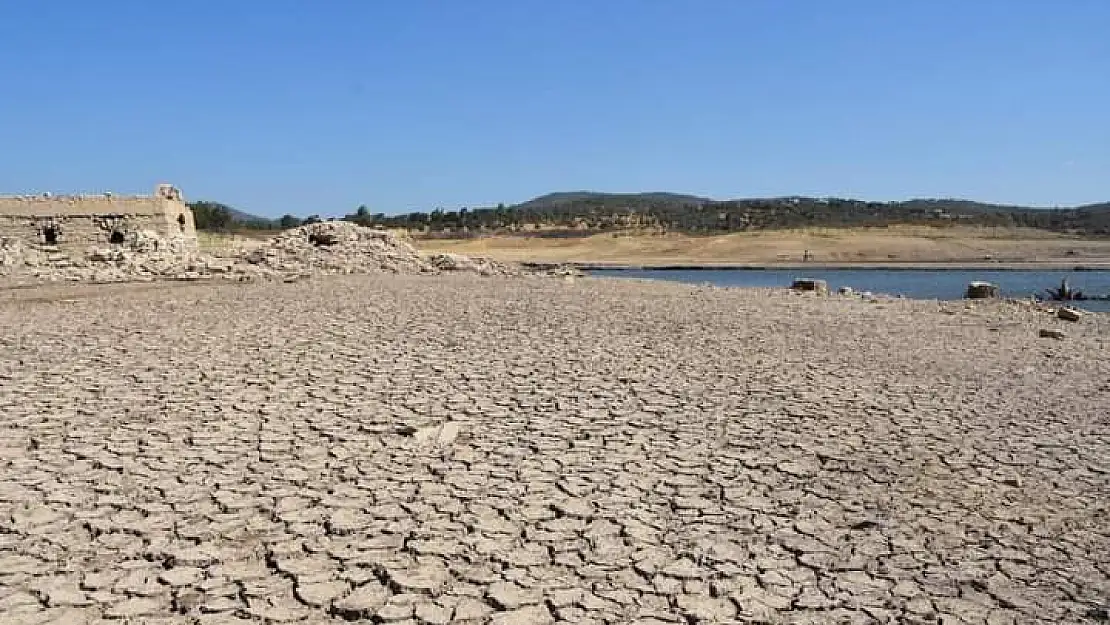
(97, 250)
(73, 223)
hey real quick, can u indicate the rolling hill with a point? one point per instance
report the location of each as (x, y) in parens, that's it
(577, 213)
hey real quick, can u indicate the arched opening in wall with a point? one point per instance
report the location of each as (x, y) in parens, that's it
(116, 238)
(50, 235)
(181, 221)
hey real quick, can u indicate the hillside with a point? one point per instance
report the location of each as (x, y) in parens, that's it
(580, 213)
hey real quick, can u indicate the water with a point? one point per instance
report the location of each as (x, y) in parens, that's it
(912, 283)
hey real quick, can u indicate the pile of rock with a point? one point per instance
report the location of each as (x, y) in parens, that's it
(323, 248)
(337, 247)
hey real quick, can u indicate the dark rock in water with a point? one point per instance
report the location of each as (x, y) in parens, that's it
(1064, 293)
(981, 290)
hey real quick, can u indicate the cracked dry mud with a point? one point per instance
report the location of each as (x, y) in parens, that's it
(462, 450)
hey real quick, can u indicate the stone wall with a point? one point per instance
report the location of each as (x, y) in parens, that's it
(81, 221)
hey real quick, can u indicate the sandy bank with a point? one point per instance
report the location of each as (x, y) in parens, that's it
(880, 247)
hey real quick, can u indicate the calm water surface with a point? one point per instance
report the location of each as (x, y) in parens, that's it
(917, 284)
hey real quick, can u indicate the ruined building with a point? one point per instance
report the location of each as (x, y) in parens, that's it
(78, 222)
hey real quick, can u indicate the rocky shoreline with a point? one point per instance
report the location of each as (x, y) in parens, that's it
(454, 449)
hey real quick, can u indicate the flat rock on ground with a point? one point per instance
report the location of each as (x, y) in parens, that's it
(446, 449)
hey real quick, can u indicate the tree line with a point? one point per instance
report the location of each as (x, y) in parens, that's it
(583, 214)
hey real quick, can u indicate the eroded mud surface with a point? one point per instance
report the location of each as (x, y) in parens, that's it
(453, 449)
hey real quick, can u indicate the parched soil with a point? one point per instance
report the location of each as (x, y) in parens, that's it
(897, 245)
(457, 449)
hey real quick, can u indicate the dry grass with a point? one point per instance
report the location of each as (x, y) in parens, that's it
(898, 244)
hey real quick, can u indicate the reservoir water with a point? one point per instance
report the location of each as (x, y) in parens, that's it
(942, 284)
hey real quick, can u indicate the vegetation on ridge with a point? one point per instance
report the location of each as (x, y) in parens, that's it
(579, 213)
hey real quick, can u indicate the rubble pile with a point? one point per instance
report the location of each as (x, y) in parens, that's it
(481, 266)
(323, 248)
(337, 247)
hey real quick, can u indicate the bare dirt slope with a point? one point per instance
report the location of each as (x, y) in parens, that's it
(882, 245)
(394, 448)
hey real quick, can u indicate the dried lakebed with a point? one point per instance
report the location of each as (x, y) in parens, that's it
(454, 449)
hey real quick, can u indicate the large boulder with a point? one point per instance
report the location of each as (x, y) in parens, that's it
(1069, 314)
(812, 285)
(981, 290)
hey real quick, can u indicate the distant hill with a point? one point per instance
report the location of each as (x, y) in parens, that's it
(581, 213)
(586, 197)
(1095, 208)
(239, 216)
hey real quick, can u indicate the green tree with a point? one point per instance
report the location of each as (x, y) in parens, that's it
(289, 221)
(211, 215)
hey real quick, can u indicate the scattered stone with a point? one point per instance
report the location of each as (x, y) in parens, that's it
(1068, 314)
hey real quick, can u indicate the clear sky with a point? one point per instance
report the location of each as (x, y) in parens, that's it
(305, 106)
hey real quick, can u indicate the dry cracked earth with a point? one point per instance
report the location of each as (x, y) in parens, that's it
(513, 451)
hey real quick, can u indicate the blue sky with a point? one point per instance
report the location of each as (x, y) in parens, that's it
(306, 106)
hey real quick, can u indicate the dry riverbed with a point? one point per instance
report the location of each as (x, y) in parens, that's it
(460, 449)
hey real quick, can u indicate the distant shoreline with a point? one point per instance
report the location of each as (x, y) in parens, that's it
(915, 266)
(893, 249)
